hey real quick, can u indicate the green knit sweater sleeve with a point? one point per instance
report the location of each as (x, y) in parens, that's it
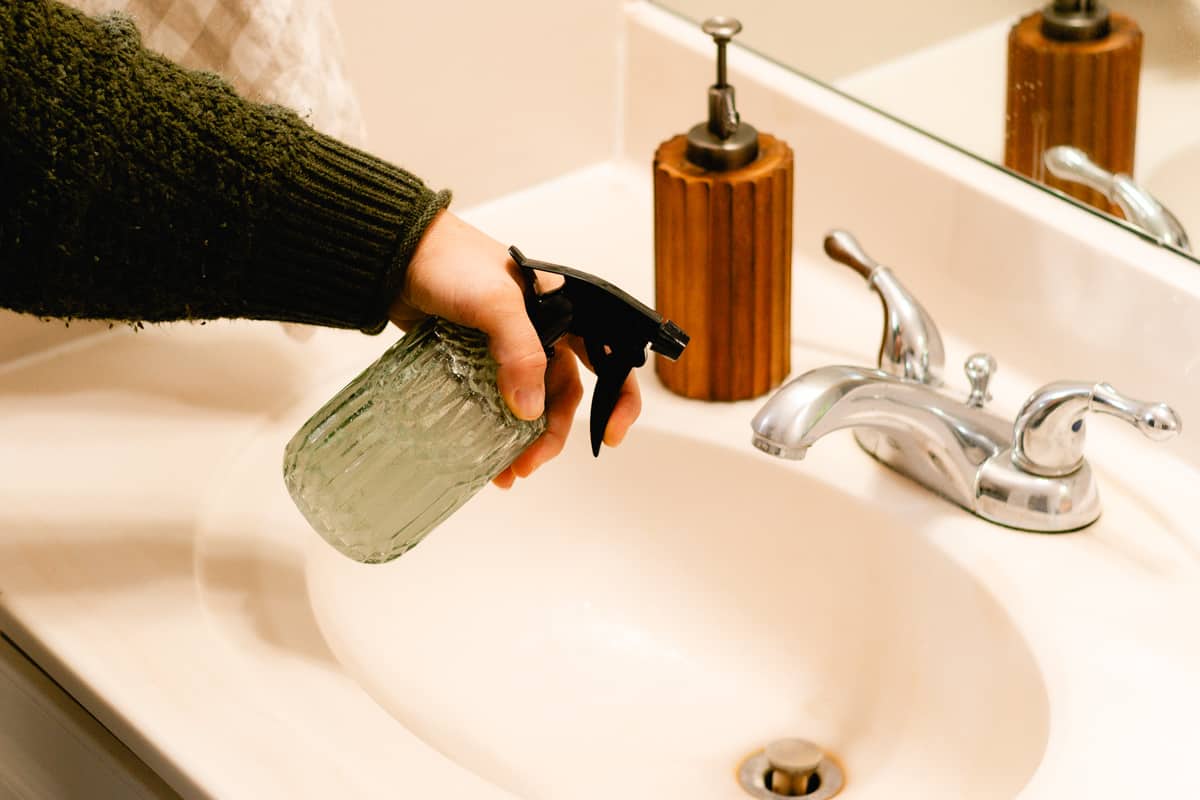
(133, 189)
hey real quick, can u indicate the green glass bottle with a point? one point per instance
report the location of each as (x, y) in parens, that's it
(419, 432)
(405, 444)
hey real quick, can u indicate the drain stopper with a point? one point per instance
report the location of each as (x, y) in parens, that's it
(790, 768)
(792, 764)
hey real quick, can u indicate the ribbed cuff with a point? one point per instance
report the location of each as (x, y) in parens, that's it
(340, 238)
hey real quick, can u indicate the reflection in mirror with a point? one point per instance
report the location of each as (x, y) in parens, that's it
(1071, 165)
(1007, 80)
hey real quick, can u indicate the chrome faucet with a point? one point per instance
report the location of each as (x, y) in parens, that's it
(1140, 207)
(1028, 474)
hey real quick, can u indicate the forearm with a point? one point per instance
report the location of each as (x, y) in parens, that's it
(133, 189)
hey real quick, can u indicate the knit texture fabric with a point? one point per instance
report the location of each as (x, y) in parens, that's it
(133, 189)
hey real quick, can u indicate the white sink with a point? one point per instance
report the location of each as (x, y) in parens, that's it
(634, 626)
(685, 600)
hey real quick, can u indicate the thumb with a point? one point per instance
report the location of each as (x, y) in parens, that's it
(513, 342)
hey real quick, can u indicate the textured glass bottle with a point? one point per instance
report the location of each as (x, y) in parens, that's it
(405, 444)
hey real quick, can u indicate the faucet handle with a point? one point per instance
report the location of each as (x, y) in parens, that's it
(842, 247)
(1049, 431)
(979, 368)
(911, 346)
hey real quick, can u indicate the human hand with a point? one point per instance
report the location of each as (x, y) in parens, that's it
(462, 275)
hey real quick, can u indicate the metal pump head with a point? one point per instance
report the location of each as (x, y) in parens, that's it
(1076, 20)
(723, 142)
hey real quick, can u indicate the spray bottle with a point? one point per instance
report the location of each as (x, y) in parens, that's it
(411, 439)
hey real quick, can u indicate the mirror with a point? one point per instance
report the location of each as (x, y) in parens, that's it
(1119, 86)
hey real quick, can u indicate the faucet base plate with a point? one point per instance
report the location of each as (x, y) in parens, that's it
(1010, 496)
(1002, 492)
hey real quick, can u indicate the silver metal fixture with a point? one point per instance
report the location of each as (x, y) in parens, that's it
(1075, 20)
(1138, 205)
(722, 142)
(1028, 474)
(791, 768)
(979, 369)
(1049, 431)
(911, 346)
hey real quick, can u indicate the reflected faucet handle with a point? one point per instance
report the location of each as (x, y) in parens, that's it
(911, 346)
(1049, 431)
(1137, 205)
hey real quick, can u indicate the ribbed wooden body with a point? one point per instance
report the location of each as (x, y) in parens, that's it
(723, 264)
(1083, 94)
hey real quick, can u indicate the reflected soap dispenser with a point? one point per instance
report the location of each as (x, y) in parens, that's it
(410, 440)
(723, 247)
(1073, 74)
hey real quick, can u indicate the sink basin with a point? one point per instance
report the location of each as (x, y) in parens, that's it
(636, 625)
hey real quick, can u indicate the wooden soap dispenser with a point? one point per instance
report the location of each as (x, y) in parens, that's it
(1073, 72)
(723, 247)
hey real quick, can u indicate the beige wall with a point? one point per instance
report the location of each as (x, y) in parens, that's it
(485, 97)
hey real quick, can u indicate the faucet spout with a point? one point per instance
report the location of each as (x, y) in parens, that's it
(907, 425)
(805, 409)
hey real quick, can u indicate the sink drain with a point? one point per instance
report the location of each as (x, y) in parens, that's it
(791, 768)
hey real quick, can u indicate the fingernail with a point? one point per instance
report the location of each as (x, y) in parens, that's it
(530, 402)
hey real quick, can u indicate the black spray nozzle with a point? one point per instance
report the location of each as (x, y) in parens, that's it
(614, 326)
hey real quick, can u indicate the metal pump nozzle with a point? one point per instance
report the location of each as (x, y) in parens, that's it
(723, 142)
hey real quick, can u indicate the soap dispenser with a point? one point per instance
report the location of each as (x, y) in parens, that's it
(1073, 74)
(411, 439)
(723, 247)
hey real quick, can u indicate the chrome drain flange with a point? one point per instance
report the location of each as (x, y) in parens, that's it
(791, 768)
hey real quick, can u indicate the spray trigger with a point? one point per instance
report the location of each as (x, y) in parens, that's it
(615, 328)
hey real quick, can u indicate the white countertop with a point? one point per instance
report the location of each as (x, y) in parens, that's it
(117, 449)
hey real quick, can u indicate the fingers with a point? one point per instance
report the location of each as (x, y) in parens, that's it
(564, 391)
(629, 401)
(626, 412)
(505, 479)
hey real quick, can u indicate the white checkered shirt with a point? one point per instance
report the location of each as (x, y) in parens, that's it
(278, 51)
